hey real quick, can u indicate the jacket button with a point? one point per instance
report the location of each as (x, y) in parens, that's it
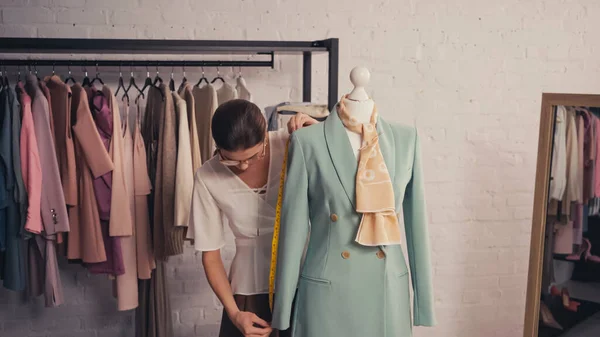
(380, 254)
(345, 254)
(334, 217)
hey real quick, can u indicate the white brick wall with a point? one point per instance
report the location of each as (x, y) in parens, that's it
(470, 75)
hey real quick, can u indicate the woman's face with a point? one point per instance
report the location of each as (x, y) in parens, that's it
(242, 159)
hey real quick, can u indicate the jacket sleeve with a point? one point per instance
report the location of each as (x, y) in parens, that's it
(417, 239)
(293, 234)
(94, 151)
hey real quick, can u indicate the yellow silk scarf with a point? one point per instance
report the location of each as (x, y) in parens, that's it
(374, 190)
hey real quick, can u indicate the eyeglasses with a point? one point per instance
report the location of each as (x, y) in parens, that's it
(256, 157)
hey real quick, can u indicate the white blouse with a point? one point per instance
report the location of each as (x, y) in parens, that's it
(219, 194)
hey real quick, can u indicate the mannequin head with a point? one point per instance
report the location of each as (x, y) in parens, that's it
(359, 76)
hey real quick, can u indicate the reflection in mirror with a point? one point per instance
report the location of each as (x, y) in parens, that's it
(568, 286)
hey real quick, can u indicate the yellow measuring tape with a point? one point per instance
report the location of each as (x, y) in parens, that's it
(275, 242)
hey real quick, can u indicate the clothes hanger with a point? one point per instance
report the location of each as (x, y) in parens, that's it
(121, 85)
(70, 78)
(203, 79)
(218, 77)
(172, 82)
(86, 80)
(5, 80)
(133, 84)
(183, 81)
(35, 71)
(148, 83)
(157, 78)
(97, 77)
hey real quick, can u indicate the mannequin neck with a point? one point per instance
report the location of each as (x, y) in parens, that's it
(361, 110)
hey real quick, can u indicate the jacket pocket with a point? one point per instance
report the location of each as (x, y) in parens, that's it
(315, 280)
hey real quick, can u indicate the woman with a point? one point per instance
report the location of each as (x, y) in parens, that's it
(239, 186)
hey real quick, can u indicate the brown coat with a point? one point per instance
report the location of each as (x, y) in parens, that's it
(85, 238)
(65, 152)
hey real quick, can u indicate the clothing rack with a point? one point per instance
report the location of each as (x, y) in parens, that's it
(330, 46)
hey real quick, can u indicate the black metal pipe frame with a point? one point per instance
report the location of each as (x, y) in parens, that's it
(22, 46)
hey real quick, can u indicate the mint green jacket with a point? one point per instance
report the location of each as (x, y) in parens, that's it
(343, 288)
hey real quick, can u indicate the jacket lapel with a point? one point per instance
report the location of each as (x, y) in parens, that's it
(341, 154)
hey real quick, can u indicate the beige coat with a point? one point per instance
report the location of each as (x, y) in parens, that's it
(121, 146)
(120, 213)
(184, 176)
(188, 96)
(85, 238)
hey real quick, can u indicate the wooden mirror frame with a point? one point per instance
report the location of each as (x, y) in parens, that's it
(540, 197)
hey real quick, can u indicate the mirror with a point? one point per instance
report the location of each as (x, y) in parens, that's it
(563, 290)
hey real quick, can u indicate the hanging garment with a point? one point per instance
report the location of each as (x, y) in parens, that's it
(559, 155)
(582, 135)
(103, 185)
(142, 188)
(62, 121)
(226, 93)
(187, 94)
(320, 209)
(242, 89)
(120, 212)
(206, 102)
(93, 161)
(30, 166)
(563, 238)
(184, 175)
(126, 285)
(53, 207)
(168, 239)
(20, 192)
(12, 259)
(48, 96)
(153, 315)
(218, 194)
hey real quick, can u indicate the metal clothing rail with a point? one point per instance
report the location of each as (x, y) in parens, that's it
(21, 46)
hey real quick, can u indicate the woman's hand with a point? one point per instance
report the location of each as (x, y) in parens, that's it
(300, 120)
(245, 321)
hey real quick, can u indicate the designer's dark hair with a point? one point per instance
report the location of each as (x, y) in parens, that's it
(238, 125)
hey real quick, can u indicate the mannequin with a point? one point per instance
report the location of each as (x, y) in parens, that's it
(325, 199)
(358, 104)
